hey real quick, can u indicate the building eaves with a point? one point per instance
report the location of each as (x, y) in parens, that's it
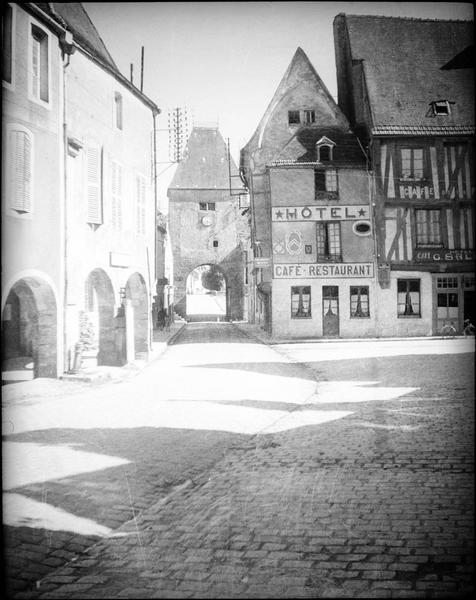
(423, 130)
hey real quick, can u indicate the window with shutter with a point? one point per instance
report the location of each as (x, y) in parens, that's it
(94, 185)
(140, 204)
(20, 171)
(116, 197)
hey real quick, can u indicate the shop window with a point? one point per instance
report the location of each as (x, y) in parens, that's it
(301, 302)
(428, 228)
(408, 298)
(328, 241)
(359, 301)
(412, 164)
(39, 64)
(20, 169)
(294, 117)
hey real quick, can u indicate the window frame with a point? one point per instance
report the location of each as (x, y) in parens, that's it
(309, 116)
(294, 113)
(140, 203)
(117, 216)
(404, 314)
(424, 229)
(326, 241)
(360, 288)
(424, 164)
(11, 21)
(205, 206)
(300, 302)
(321, 191)
(33, 26)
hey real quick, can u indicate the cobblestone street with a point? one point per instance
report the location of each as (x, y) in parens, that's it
(291, 470)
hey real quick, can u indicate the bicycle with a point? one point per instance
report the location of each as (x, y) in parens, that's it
(448, 330)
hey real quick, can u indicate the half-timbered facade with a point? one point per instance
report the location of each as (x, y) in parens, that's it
(411, 103)
(314, 268)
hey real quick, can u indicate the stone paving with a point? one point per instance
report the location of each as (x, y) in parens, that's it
(376, 504)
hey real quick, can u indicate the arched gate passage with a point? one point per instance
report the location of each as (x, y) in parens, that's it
(29, 326)
(207, 294)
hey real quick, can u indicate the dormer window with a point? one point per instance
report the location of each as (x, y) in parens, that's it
(440, 107)
(324, 149)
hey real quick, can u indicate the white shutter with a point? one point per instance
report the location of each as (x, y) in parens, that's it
(140, 204)
(93, 185)
(20, 171)
(116, 185)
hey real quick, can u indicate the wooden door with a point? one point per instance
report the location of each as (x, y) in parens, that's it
(330, 311)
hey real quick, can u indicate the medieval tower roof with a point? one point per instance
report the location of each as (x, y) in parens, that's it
(301, 89)
(205, 162)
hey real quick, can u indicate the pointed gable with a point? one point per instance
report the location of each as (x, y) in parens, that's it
(205, 162)
(300, 113)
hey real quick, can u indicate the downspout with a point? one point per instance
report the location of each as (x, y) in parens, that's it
(155, 112)
(67, 47)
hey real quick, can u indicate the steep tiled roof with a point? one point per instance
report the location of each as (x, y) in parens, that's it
(73, 16)
(346, 149)
(402, 65)
(205, 164)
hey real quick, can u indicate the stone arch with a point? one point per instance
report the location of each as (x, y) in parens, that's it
(136, 293)
(201, 304)
(99, 300)
(29, 325)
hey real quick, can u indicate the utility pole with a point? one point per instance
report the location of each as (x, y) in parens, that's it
(178, 133)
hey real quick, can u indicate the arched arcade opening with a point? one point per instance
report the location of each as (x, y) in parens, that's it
(29, 330)
(97, 320)
(136, 293)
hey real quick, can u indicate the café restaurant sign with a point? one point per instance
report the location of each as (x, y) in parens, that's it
(320, 213)
(322, 270)
(444, 255)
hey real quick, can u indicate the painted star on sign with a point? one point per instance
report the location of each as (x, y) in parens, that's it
(279, 214)
(362, 212)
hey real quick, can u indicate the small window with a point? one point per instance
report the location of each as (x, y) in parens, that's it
(441, 107)
(428, 228)
(324, 153)
(408, 297)
(328, 240)
(325, 181)
(447, 283)
(39, 64)
(412, 163)
(301, 302)
(309, 116)
(359, 302)
(215, 243)
(293, 117)
(118, 110)
(206, 205)
(7, 45)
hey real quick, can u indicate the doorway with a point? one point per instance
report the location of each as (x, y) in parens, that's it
(330, 311)
(207, 294)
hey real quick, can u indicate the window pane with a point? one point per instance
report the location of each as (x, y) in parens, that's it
(300, 301)
(334, 239)
(452, 299)
(442, 300)
(293, 117)
(331, 180)
(320, 181)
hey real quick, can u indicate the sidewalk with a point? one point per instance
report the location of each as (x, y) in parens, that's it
(254, 330)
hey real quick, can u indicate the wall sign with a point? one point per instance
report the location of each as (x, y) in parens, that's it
(320, 213)
(443, 254)
(294, 243)
(322, 270)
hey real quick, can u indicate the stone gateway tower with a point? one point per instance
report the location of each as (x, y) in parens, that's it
(207, 227)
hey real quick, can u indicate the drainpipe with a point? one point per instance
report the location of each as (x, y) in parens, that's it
(153, 293)
(67, 47)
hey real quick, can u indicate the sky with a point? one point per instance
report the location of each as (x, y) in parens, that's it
(222, 61)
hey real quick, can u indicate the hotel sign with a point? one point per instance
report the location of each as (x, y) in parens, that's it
(322, 270)
(443, 255)
(320, 213)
